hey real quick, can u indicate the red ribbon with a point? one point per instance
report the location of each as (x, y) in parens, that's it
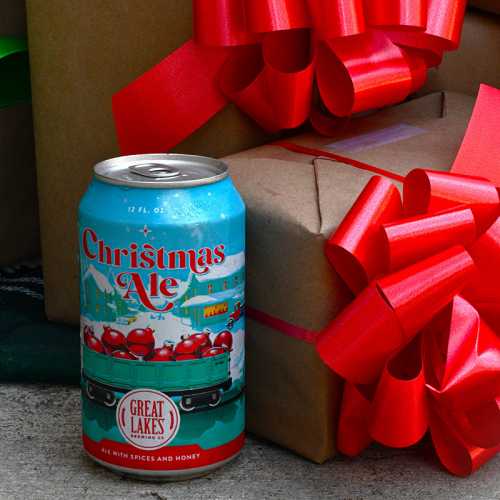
(266, 55)
(419, 346)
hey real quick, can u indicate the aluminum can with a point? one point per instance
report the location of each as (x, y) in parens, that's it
(162, 277)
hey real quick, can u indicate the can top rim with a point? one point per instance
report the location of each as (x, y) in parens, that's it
(161, 171)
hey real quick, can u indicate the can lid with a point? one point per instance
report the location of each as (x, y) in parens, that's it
(161, 170)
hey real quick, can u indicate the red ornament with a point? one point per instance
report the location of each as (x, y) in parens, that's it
(141, 342)
(185, 357)
(94, 343)
(165, 353)
(88, 332)
(186, 346)
(122, 355)
(212, 351)
(224, 339)
(202, 340)
(113, 339)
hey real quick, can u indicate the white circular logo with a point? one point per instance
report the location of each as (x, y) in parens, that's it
(147, 419)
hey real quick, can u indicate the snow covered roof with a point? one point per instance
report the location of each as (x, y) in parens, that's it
(100, 280)
(234, 293)
(199, 300)
(231, 264)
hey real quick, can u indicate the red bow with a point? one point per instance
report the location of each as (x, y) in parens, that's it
(419, 346)
(265, 55)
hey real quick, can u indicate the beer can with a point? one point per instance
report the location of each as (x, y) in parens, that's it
(162, 279)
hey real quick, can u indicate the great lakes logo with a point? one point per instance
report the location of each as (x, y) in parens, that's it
(147, 419)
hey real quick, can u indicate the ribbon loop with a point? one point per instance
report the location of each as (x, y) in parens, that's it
(355, 76)
(365, 55)
(419, 237)
(264, 16)
(360, 341)
(426, 191)
(399, 411)
(442, 33)
(397, 14)
(337, 18)
(417, 293)
(356, 248)
(484, 287)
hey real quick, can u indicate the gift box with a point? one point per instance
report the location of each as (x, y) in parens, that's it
(19, 228)
(81, 54)
(294, 202)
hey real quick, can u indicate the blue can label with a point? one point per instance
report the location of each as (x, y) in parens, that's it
(162, 323)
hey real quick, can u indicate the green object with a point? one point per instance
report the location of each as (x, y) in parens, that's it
(161, 376)
(15, 86)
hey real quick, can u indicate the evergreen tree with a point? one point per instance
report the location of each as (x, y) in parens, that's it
(122, 308)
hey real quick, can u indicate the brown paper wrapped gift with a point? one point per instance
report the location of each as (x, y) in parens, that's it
(82, 52)
(294, 202)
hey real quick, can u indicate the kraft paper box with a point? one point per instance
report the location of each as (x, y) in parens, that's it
(81, 53)
(294, 202)
(19, 228)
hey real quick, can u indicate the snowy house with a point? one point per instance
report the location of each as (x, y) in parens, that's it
(99, 297)
(210, 298)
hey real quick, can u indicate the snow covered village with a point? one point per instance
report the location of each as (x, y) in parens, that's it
(202, 301)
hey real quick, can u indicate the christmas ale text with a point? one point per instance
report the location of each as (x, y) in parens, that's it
(146, 257)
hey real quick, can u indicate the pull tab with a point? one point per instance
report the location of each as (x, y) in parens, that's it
(155, 170)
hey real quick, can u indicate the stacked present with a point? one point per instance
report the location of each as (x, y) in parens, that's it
(402, 305)
(405, 268)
